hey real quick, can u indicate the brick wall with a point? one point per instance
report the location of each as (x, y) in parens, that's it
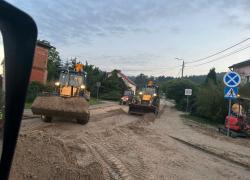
(39, 70)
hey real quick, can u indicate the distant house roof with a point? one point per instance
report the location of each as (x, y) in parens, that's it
(43, 44)
(125, 77)
(241, 64)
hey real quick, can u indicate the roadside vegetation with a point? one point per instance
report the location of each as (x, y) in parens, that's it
(94, 101)
(207, 100)
(200, 120)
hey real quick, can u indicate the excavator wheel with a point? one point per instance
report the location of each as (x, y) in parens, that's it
(83, 120)
(46, 118)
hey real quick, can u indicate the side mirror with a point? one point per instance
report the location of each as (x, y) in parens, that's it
(19, 34)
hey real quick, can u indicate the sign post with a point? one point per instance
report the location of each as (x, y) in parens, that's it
(98, 85)
(188, 92)
(232, 81)
(229, 114)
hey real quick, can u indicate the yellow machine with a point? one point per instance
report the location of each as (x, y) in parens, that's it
(70, 99)
(148, 100)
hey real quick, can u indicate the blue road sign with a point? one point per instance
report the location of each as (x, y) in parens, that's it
(230, 93)
(232, 79)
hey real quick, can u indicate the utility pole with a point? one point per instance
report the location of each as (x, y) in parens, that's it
(182, 67)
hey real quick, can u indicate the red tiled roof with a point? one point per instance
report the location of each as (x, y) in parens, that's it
(125, 77)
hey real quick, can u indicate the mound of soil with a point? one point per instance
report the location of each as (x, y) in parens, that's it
(41, 156)
(58, 106)
(149, 117)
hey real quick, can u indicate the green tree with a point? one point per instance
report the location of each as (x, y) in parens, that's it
(113, 87)
(244, 90)
(210, 102)
(141, 80)
(211, 76)
(72, 63)
(175, 90)
(36, 88)
(94, 75)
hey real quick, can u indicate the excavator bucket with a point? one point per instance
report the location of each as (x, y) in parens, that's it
(72, 107)
(142, 109)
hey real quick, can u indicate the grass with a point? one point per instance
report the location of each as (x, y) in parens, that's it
(27, 105)
(94, 101)
(200, 120)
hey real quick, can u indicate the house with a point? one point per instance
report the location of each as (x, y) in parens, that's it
(242, 68)
(39, 71)
(126, 80)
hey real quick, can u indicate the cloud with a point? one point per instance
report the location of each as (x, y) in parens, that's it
(69, 21)
(76, 20)
(235, 14)
(100, 30)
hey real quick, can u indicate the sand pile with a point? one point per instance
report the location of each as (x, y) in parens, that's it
(40, 156)
(58, 106)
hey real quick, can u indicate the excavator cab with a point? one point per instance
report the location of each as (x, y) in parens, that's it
(72, 84)
(146, 101)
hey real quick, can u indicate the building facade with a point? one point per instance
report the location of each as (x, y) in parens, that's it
(39, 71)
(242, 68)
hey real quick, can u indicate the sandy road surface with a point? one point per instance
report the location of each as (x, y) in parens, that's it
(115, 145)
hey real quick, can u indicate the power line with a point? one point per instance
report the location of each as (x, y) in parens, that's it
(164, 68)
(219, 52)
(221, 57)
(178, 73)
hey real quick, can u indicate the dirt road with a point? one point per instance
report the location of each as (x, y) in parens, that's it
(115, 145)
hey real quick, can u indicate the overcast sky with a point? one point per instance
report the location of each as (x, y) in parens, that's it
(143, 36)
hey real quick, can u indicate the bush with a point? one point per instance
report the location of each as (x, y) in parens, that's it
(35, 89)
(112, 95)
(113, 87)
(175, 90)
(244, 90)
(210, 103)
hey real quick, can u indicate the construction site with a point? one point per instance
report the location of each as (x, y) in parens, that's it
(143, 136)
(116, 145)
(124, 90)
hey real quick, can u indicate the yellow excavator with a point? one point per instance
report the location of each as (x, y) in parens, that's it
(146, 101)
(71, 98)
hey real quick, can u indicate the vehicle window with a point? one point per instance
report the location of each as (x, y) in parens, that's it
(64, 79)
(149, 90)
(152, 97)
(75, 80)
(127, 93)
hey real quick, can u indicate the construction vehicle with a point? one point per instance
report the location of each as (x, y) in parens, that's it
(146, 101)
(69, 100)
(238, 123)
(127, 97)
